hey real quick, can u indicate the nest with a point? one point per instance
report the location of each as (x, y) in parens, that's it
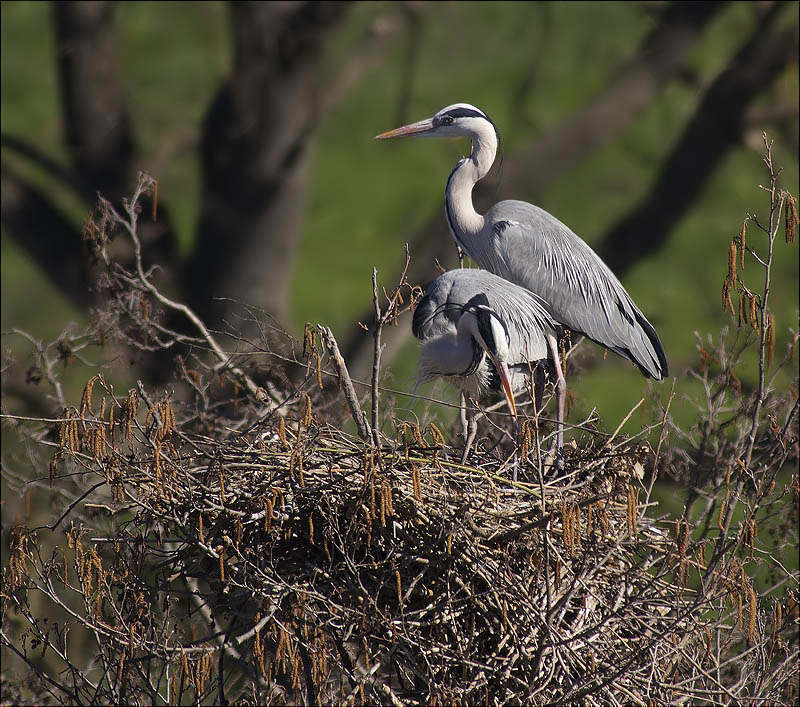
(248, 549)
(345, 571)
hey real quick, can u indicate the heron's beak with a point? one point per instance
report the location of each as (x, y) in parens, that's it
(423, 126)
(505, 380)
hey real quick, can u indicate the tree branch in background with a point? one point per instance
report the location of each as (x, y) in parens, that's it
(32, 154)
(99, 136)
(378, 38)
(715, 128)
(255, 157)
(663, 56)
(45, 234)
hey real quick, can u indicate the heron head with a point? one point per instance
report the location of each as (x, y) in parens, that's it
(457, 120)
(490, 333)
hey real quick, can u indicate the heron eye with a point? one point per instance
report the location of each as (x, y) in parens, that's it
(447, 119)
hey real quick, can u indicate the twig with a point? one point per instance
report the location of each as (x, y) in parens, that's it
(349, 391)
(145, 184)
(376, 358)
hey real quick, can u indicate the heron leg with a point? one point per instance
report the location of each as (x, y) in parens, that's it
(561, 390)
(462, 415)
(471, 429)
(517, 444)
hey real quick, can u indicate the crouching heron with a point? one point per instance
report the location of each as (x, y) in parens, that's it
(484, 334)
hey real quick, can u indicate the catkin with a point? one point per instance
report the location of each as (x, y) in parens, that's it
(399, 583)
(319, 371)
(722, 508)
(282, 433)
(86, 399)
(732, 258)
(308, 339)
(790, 216)
(727, 303)
(742, 244)
(751, 616)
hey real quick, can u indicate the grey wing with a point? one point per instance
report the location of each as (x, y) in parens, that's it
(532, 248)
(436, 313)
(527, 317)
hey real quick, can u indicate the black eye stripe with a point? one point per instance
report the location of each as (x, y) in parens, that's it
(466, 113)
(485, 329)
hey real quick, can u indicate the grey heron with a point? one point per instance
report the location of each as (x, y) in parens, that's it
(483, 333)
(527, 246)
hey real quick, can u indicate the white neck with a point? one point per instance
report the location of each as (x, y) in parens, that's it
(462, 217)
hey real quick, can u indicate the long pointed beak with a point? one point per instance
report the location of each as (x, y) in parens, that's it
(505, 380)
(423, 126)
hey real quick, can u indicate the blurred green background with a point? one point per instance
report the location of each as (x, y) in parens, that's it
(528, 65)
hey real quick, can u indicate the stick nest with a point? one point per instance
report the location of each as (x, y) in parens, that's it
(330, 570)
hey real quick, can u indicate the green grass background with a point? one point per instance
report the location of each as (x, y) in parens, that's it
(366, 199)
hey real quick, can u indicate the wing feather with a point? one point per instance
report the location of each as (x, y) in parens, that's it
(527, 316)
(528, 246)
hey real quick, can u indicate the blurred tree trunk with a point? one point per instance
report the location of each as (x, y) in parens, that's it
(663, 56)
(98, 134)
(256, 155)
(96, 121)
(97, 124)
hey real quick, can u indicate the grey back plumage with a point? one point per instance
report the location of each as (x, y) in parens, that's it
(526, 316)
(528, 246)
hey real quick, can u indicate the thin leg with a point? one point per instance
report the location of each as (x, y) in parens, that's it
(462, 415)
(515, 463)
(472, 429)
(561, 389)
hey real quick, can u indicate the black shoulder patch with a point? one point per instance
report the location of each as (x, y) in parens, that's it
(499, 227)
(479, 300)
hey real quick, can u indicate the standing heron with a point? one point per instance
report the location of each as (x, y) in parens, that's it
(528, 246)
(484, 333)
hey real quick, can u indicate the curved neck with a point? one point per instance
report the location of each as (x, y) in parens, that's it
(463, 219)
(467, 336)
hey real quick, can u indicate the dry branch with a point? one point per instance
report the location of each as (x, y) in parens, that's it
(214, 551)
